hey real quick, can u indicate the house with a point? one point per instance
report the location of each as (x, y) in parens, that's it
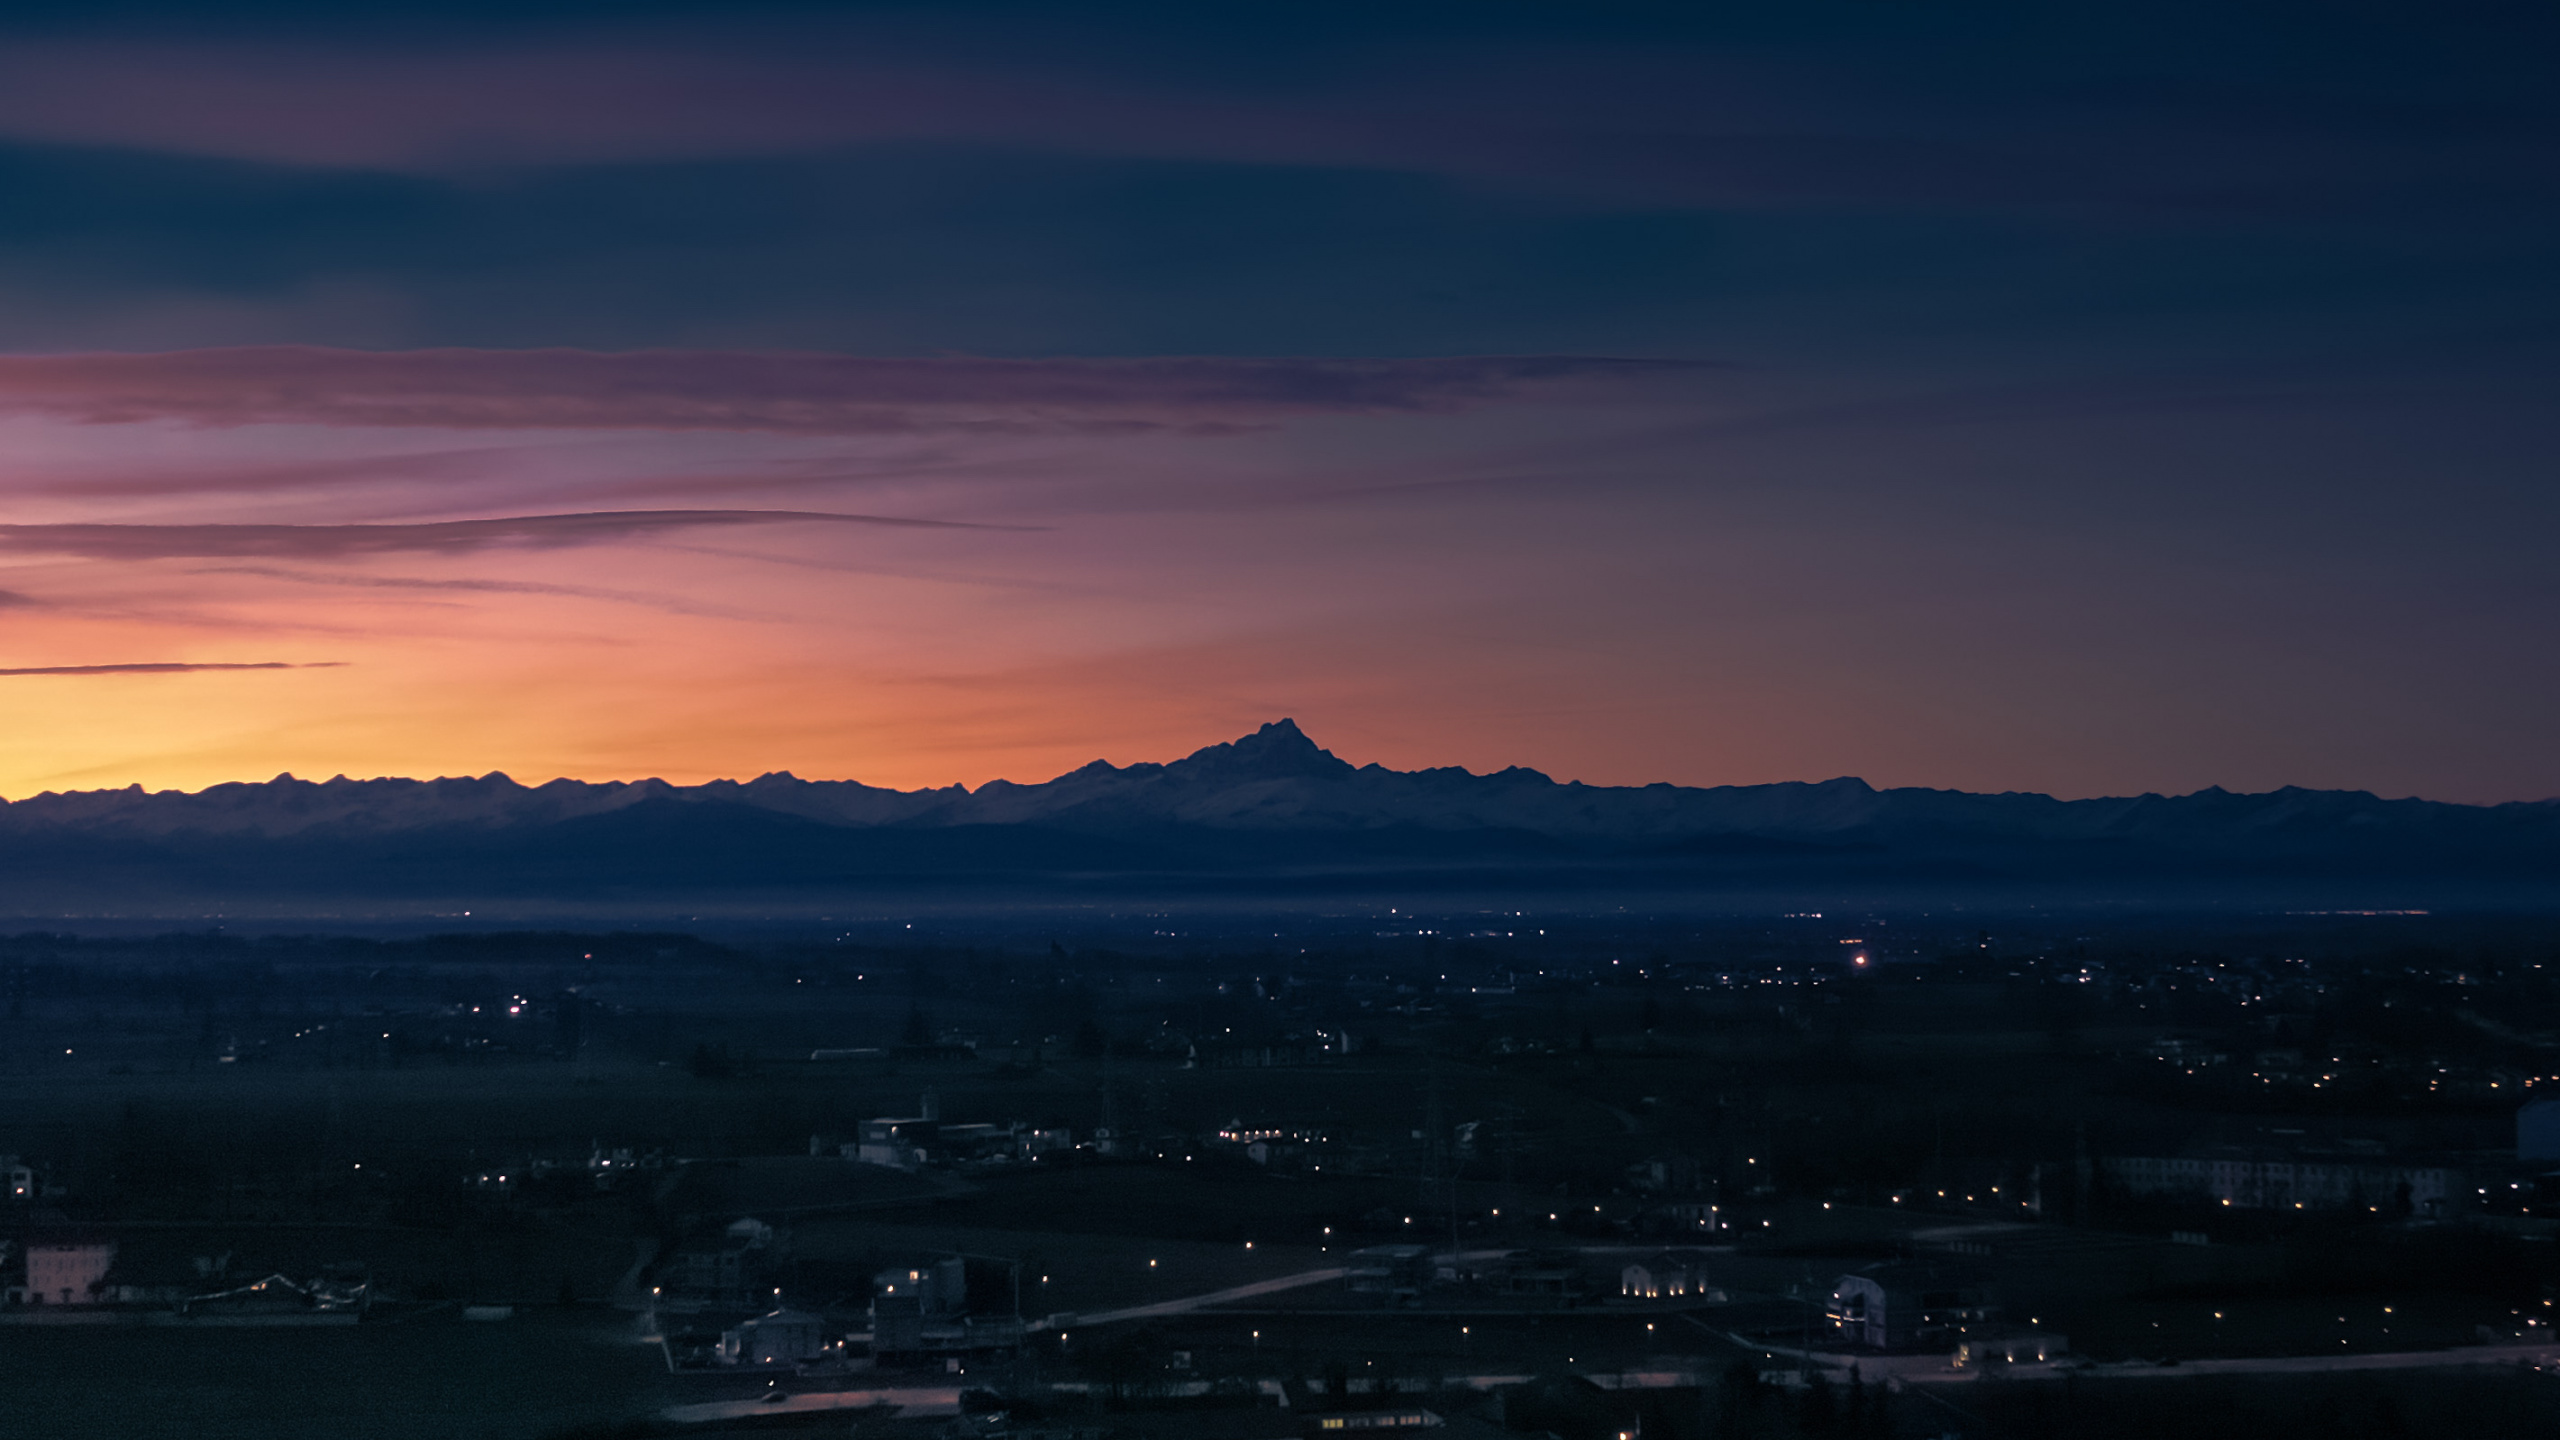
(1406, 1418)
(734, 1271)
(65, 1269)
(1688, 1216)
(897, 1325)
(1037, 1140)
(944, 1305)
(899, 1143)
(912, 1141)
(1665, 1174)
(939, 1287)
(1897, 1307)
(2248, 1180)
(609, 1168)
(1396, 1271)
(980, 1142)
(1669, 1275)
(1540, 1272)
(784, 1337)
(2003, 1346)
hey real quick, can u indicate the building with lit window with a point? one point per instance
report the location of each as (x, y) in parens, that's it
(1669, 1275)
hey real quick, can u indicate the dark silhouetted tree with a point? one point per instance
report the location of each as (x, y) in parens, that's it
(1819, 1412)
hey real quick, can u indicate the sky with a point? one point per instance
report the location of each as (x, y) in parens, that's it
(1993, 397)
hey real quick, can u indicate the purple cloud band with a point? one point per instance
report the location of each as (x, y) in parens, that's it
(784, 392)
(673, 604)
(169, 667)
(156, 542)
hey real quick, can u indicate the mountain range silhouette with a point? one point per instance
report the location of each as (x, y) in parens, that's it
(1268, 818)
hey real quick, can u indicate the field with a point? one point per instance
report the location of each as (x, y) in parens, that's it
(435, 1378)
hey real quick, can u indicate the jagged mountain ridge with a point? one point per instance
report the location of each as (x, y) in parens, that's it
(1277, 783)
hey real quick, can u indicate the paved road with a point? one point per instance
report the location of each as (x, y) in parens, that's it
(1935, 1369)
(1300, 1281)
(2302, 1364)
(1303, 1279)
(911, 1400)
(1215, 1297)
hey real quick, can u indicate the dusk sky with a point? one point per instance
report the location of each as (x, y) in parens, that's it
(2082, 399)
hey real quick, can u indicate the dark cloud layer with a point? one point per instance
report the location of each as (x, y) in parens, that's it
(898, 250)
(787, 393)
(1825, 104)
(158, 542)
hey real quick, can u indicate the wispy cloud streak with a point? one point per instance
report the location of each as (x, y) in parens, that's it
(774, 392)
(172, 667)
(445, 467)
(340, 579)
(159, 542)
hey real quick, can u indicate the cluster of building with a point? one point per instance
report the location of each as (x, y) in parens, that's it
(1669, 1275)
(1399, 1274)
(952, 1306)
(2244, 1179)
(2291, 1073)
(1900, 1307)
(2289, 1170)
(605, 1168)
(724, 1303)
(911, 1142)
(1907, 1307)
(1280, 1147)
(61, 1268)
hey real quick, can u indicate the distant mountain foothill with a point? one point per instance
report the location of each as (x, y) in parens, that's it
(1268, 819)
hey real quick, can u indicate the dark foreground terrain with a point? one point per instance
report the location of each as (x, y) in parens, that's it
(1242, 1179)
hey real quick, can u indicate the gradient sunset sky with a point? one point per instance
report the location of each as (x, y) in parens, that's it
(2070, 398)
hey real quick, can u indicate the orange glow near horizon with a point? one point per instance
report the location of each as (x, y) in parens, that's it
(1122, 598)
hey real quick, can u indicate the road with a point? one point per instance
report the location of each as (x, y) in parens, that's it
(911, 1400)
(1298, 1281)
(1935, 1369)
(2294, 1364)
